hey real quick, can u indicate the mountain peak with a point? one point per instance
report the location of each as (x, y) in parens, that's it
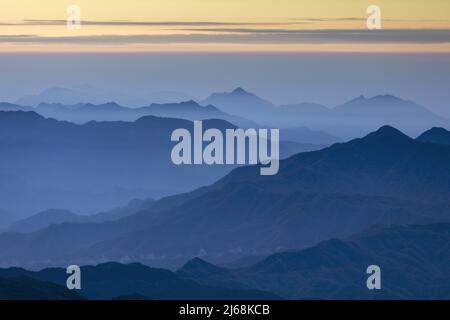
(437, 135)
(437, 131)
(239, 90)
(388, 133)
(189, 103)
(111, 103)
(200, 265)
(385, 97)
(381, 98)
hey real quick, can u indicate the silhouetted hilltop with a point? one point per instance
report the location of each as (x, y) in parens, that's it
(435, 135)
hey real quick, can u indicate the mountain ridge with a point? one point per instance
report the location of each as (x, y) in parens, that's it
(350, 185)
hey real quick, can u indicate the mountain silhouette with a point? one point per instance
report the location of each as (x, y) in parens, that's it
(5, 106)
(413, 259)
(92, 167)
(435, 135)
(241, 103)
(26, 288)
(111, 111)
(359, 116)
(363, 114)
(112, 280)
(46, 218)
(354, 118)
(414, 262)
(98, 165)
(88, 94)
(383, 178)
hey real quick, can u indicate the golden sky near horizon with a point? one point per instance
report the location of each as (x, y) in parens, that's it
(224, 25)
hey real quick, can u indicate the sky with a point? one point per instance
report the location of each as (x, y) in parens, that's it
(287, 51)
(224, 26)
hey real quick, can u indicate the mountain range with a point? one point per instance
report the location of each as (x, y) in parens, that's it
(25, 288)
(82, 113)
(92, 167)
(54, 216)
(113, 280)
(111, 111)
(384, 178)
(240, 102)
(352, 119)
(86, 93)
(98, 165)
(414, 261)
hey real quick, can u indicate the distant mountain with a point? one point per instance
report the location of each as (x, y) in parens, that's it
(46, 218)
(363, 114)
(203, 272)
(414, 262)
(191, 110)
(85, 94)
(120, 212)
(5, 106)
(113, 280)
(98, 165)
(383, 178)
(25, 288)
(92, 167)
(63, 95)
(352, 119)
(110, 111)
(435, 135)
(359, 116)
(241, 103)
(84, 112)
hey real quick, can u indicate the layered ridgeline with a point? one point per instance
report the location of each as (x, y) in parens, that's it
(86, 93)
(354, 118)
(383, 178)
(84, 112)
(46, 218)
(414, 262)
(27, 288)
(126, 281)
(92, 167)
(189, 110)
(88, 168)
(111, 111)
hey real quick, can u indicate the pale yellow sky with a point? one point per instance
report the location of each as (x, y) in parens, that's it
(236, 25)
